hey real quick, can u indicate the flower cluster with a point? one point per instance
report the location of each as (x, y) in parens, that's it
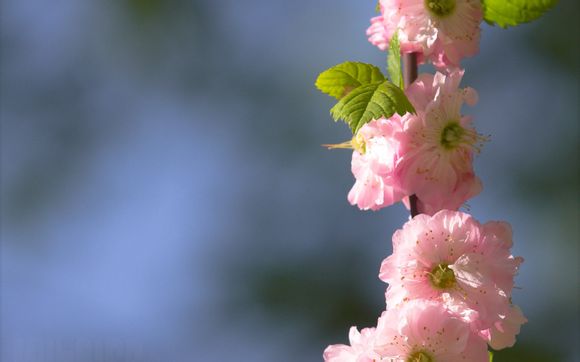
(450, 278)
(429, 154)
(449, 296)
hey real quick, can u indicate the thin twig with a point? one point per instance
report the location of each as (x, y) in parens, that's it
(410, 72)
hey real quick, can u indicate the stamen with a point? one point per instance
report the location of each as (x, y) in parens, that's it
(420, 356)
(476, 140)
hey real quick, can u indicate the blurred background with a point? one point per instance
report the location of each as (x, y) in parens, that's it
(164, 194)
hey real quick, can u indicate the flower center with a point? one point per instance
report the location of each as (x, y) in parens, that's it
(420, 356)
(442, 277)
(452, 135)
(440, 8)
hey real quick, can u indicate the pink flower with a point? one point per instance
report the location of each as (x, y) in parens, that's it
(427, 331)
(429, 153)
(373, 163)
(443, 31)
(438, 143)
(503, 333)
(359, 350)
(451, 258)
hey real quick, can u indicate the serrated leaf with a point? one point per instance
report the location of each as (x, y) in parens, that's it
(371, 101)
(339, 80)
(394, 61)
(513, 12)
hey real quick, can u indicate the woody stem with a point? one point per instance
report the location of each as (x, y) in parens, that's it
(410, 70)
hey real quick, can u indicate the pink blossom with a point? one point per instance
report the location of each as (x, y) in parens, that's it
(437, 144)
(359, 350)
(451, 258)
(429, 153)
(373, 164)
(426, 331)
(503, 332)
(443, 31)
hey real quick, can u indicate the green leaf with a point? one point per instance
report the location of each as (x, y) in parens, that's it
(371, 101)
(513, 12)
(339, 80)
(394, 61)
(378, 6)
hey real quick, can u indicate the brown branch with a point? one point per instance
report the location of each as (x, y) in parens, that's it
(410, 72)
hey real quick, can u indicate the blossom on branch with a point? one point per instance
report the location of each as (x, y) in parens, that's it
(429, 154)
(452, 259)
(441, 31)
(418, 331)
(373, 165)
(438, 144)
(425, 331)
